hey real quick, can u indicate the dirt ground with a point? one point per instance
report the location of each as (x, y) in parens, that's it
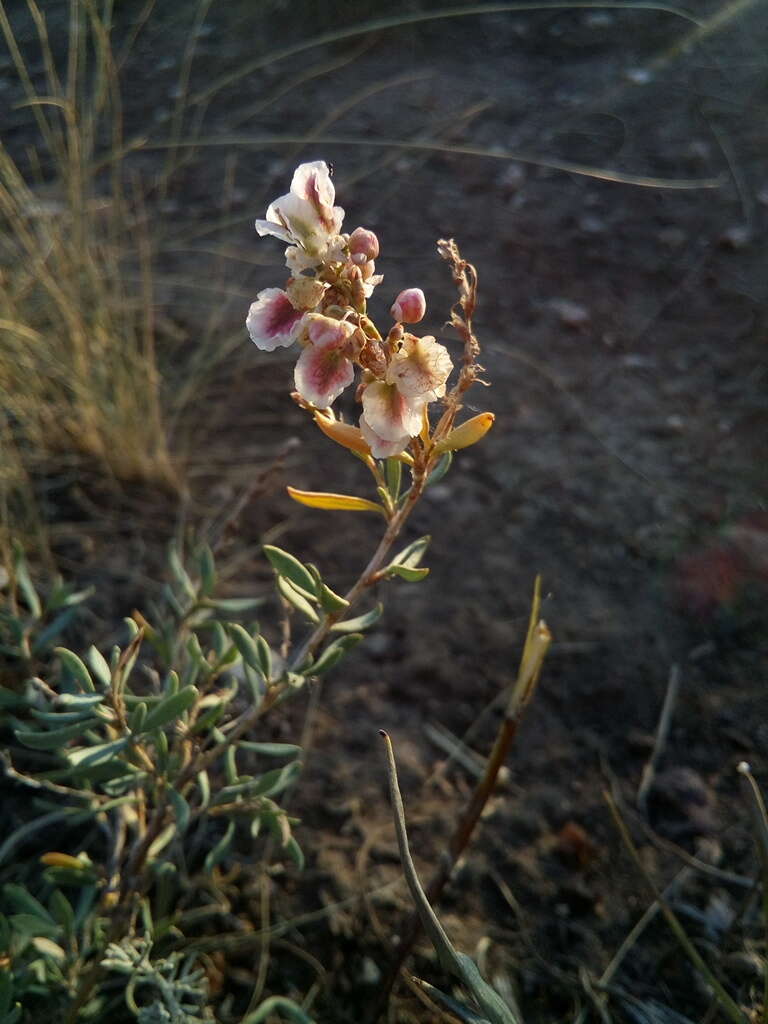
(623, 329)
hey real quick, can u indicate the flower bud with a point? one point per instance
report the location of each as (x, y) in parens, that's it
(364, 242)
(468, 433)
(410, 306)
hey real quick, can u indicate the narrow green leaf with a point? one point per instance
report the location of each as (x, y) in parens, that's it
(21, 571)
(220, 850)
(406, 573)
(45, 638)
(285, 565)
(360, 623)
(412, 554)
(265, 657)
(440, 469)
(170, 708)
(394, 473)
(333, 653)
(22, 901)
(90, 757)
(181, 810)
(293, 597)
(330, 601)
(54, 738)
(137, 718)
(271, 749)
(61, 718)
(76, 669)
(235, 605)
(162, 841)
(62, 912)
(295, 852)
(246, 645)
(204, 785)
(180, 574)
(79, 701)
(207, 567)
(6, 992)
(99, 666)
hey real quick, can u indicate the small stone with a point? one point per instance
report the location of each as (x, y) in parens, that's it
(371, 974)
(736, 237)
(639, 76)
(570, 314)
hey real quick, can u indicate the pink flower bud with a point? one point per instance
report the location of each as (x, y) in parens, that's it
(410, 306)
(364, 242)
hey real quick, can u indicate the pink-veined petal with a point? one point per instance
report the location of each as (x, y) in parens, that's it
(313, 182)
(389, 413)
(381, 449)
(421, 368)
(302, 221)
(324, 368)
(273, 321)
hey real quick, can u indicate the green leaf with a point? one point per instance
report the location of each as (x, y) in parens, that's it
(179, 572)
(78, 701)
(21, 571)
(45, 638)
(285, 565)
(170, 708)
(300, 603)
(160, 843)
(62, 718)
(90, 757)
(330, 601)
(22, 901)
(99, 666)
(137, 718)
(394, 474)
(54, 738)
(247, 646)
(76, 669)
(6, 992)
(29, 926)
(440, 469)
(359, 624)
(181, 810)
(333, 653)
(411, 555)
(271, 749)
(235, 605)
(406, 573)
(268, 784)
(295, 852)
(220, 850)
(265, 657)
(62, 912)
(207, 567)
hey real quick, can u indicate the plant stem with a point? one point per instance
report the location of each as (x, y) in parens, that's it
(459, 840)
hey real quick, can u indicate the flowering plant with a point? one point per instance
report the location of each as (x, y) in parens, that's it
(324, 309)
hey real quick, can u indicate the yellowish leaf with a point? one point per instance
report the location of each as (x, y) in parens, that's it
(345, 502)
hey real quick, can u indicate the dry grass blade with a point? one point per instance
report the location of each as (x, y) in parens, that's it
(730, 1008)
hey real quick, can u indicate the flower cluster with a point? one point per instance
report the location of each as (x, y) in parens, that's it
(323, 308)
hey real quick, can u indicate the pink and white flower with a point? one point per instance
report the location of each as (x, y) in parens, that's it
(325, 366)
(273, 321)
(306, 216)
(389, 414)
(420, 368)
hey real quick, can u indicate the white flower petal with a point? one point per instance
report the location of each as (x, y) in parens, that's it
(272, 320)
(313, 182)
(267, 227)
(389, 413)
(381, 449)
(421, 368)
